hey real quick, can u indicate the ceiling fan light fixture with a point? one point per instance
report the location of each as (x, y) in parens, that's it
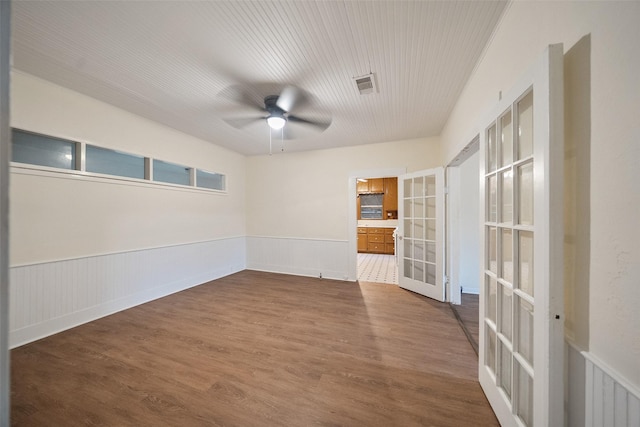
(276, 122)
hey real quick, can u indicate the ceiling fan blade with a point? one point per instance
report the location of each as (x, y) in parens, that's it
(290, 97)
(243, 95)
(319, 124)
(243, 122)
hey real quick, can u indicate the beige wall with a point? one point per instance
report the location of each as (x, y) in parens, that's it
(602, 137)
(67, 217)
(305, 195)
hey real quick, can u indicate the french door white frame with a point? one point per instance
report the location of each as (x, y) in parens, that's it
(414, 235)
(546, 81)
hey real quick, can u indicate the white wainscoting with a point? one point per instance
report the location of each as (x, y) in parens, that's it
(303, 257)
(610, 401)
(50, 297)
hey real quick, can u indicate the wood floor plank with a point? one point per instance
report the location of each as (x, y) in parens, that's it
(257, 349)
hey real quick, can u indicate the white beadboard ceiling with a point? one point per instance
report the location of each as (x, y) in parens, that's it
(169, 61)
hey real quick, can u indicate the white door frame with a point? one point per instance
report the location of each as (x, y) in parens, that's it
(352, 215)
(452, 207)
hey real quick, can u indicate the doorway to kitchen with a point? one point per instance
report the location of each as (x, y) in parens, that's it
(373, 219)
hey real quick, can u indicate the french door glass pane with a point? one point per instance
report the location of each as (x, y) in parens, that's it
(491, 298)
(525, 330)
(431, 273)
(506, 137)
(431, 252)
(418, 187)
(430, 184)
(431, 229)
(408, 268)
(408, 211)
(524, 408)
(418, 250)
(490, 349)
(418, 207)
(418, 271)
(418, 229)
(507, 254)
(407, 190)
(431, 207)
(504, 361)
(492, 206)
(506, 205)
(525, 194)
(525, 261)
(491, 148)
(505, 311)
(492, 251)
(525, 126)
(408, 231)
(408, 248)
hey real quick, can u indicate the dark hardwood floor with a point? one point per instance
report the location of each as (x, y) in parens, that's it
(257, 349)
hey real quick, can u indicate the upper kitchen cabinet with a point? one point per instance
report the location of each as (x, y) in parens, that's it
(391, 198)
(376, 185)
(377, 198)
(370, 185)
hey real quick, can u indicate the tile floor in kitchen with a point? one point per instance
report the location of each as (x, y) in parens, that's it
(377, 268)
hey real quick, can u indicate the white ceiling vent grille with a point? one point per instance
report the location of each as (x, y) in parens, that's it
(366, 84)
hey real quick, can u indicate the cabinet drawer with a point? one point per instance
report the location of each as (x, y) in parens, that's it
(376, 238)
(362, 230)
(376, 247)
(376, 230)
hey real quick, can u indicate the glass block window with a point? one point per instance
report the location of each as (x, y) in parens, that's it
(171, 173)
(41, 150)
(111, 162)
(213, 181)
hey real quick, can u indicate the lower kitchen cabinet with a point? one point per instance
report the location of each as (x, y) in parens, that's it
(377, 240)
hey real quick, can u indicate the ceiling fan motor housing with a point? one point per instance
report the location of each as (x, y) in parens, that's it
(272, 108)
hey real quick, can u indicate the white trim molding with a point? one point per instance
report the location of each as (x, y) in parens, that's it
(51, 297)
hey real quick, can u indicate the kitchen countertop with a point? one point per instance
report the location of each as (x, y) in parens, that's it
(389, 223)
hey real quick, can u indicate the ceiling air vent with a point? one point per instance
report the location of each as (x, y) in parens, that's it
(366, 84)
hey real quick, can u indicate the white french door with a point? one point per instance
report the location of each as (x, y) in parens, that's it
(420, 232)
(521, 302)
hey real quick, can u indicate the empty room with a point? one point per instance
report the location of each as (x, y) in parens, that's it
(192, 191)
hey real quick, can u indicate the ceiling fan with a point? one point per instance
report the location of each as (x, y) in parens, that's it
(251, 106)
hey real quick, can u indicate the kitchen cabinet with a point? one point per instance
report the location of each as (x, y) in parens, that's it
(363, 242)
(388, 188)
(377, 240)
(371, 185)
(376, 185)
(390, 201)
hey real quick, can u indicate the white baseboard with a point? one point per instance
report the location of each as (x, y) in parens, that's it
(51, 297)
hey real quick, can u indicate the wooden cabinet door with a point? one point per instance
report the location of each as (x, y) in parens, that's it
(362, 187)
(390, 198)
(363, 243)
(376, 185)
